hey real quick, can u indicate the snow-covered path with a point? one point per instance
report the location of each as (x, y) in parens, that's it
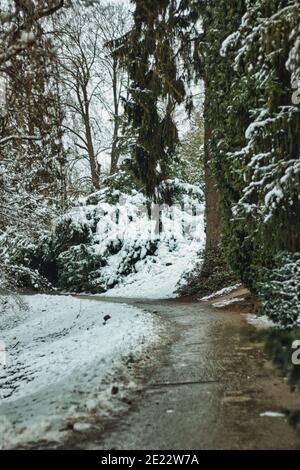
(62, 356)
(213, 388)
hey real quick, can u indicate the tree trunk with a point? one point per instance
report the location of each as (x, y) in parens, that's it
(115, 154)
(90, 146)
(212, 200)
(92, 159)
(214, 273)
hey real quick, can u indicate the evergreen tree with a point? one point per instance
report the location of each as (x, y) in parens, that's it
(258, 141)
(158, 53)
(33, 109)
(219, 19)
(32, 161)
(164, 53)
(189, 162)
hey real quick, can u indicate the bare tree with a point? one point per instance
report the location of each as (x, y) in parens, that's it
(92, 83)
(77, 60)
(115, 78)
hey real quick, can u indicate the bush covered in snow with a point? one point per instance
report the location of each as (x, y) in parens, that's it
(18, 242)
(280, 290)
(111, 234)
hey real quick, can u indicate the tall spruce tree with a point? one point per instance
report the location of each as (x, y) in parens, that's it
(171, 45)
(259, 176)
(219, 19)
(161, 60)
(252, 65)
(248, 55)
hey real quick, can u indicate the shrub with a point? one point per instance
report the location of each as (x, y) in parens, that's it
(280, 290)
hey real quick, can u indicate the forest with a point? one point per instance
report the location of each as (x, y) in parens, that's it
(149, 149)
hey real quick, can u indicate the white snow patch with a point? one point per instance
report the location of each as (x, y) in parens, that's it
(82, 427)
(61, 359)
(158, 277)
(272, 414)
(260, 321)
(222, 292)
(230, 40)
(141, 258)
(226, 302)
(27, 37)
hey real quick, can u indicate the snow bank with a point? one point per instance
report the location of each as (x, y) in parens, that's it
(273, 414)
(158, 277)
(127, 246)
(61, 356)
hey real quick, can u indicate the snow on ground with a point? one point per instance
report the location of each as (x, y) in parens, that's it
(273, 414)
(260, 321)
(141, 254)
(160, 279)
(222, 292)
(61, 360)
(157, 275)
(226, 302)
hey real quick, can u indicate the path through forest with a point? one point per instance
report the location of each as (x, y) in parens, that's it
(211, 388)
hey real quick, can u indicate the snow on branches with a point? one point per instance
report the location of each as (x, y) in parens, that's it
(17, 19)
(266, 54)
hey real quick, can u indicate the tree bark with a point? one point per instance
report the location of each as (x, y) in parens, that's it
(90, 146)
(213, 217)
(214, 273)
(115, 154)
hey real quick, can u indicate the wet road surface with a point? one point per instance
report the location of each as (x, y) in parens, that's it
(208, 390)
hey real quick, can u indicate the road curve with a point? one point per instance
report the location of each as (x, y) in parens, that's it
(212, 384)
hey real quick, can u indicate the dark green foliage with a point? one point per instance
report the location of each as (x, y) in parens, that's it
(294, 420)
(279, 349)
(189, 164)
(179, 192)
(78, 267)
(255, 140)
(151, 51)
(67, 233)
(122, 181)
(280, 290)
(220, 19)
